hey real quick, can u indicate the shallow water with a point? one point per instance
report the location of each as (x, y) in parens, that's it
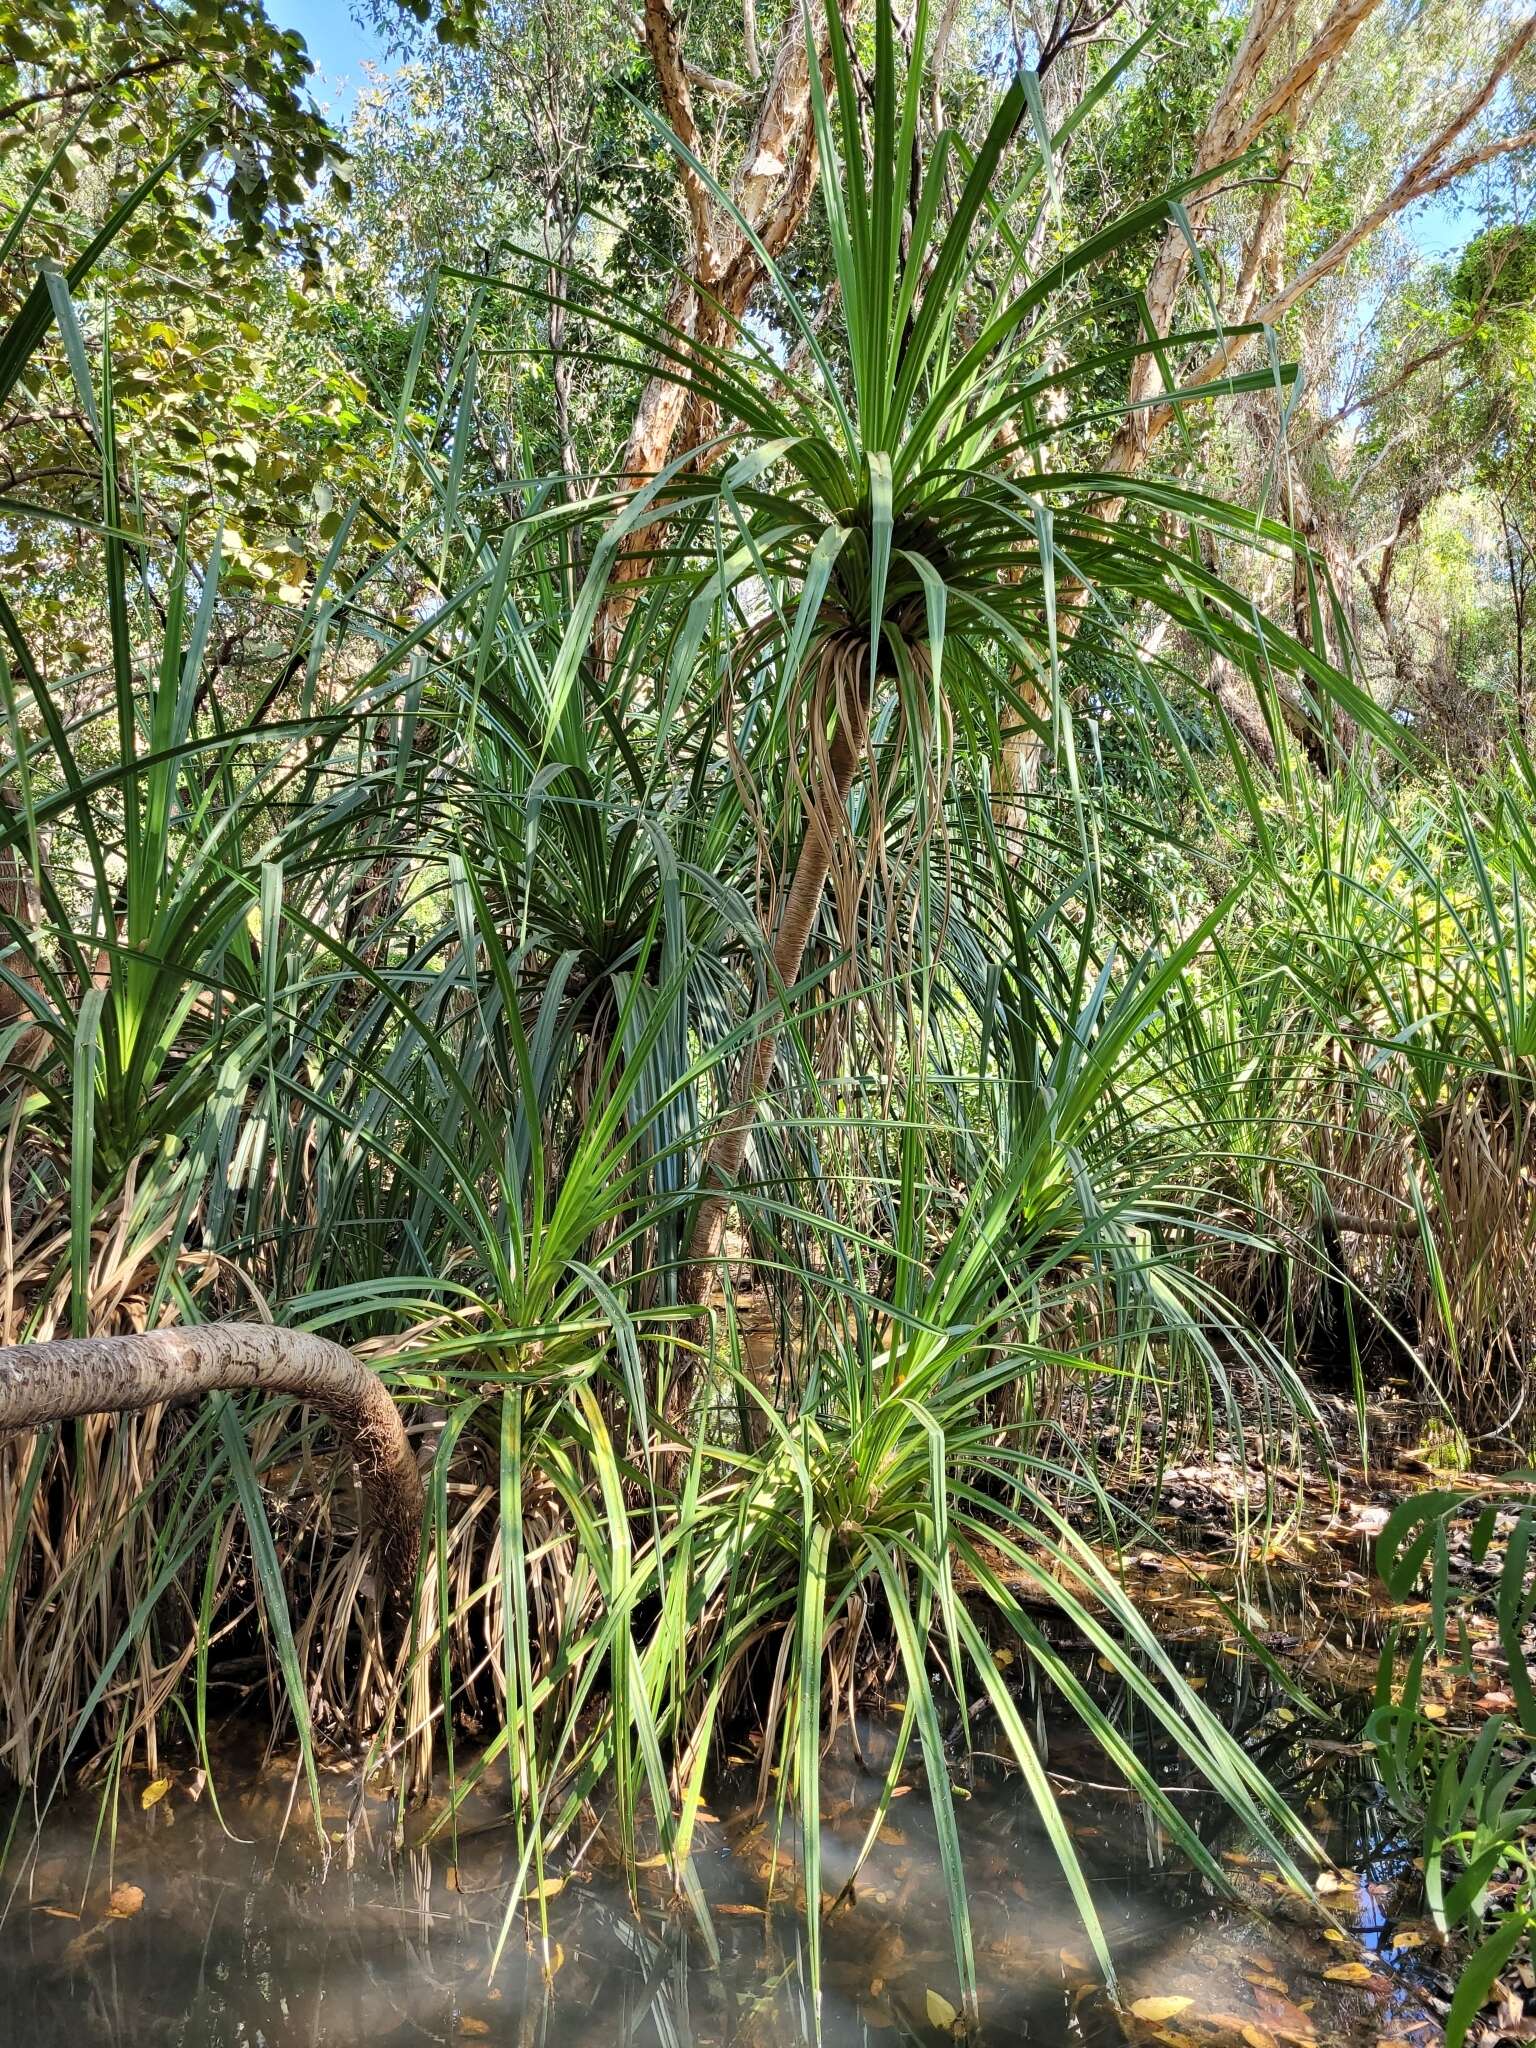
(255, 1938)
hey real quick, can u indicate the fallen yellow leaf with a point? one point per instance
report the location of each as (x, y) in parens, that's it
(1259, 2037)
(1349, 1973)
(468, 2024)
(1160, 2008)
(154, 1793)
(940, 2012)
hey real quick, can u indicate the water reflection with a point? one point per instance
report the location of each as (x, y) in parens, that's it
(246, 1939)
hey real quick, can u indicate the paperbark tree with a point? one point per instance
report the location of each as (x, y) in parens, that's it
(1231, 127)
(1258, 93)
(1438, 165)
(723, 266)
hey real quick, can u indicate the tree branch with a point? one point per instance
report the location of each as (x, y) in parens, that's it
(1425, 176)
(77, 86)
(664, 41)
(1336, 34)
(706, 81)
(1402, 195)
(770, 192)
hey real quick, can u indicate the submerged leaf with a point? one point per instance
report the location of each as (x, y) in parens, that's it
(940, 2012)
(1161, 2008)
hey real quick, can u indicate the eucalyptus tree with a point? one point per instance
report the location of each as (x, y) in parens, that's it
(234, 411)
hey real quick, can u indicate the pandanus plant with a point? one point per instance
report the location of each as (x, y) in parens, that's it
(891, 527)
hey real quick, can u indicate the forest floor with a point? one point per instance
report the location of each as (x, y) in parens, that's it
(182, 1919)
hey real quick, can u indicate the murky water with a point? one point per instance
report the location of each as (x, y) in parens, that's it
(191, 1933)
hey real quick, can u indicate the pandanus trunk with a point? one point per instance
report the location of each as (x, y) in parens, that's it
(826, 823)
(42, 1383)
(20, 908)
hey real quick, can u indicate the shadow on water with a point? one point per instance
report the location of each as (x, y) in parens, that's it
(201, 1938)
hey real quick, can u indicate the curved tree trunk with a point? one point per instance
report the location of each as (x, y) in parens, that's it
(42, 1383)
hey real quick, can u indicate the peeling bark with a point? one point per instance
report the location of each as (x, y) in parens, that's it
(1431, 171)
(771, 191)
(1227, 133)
